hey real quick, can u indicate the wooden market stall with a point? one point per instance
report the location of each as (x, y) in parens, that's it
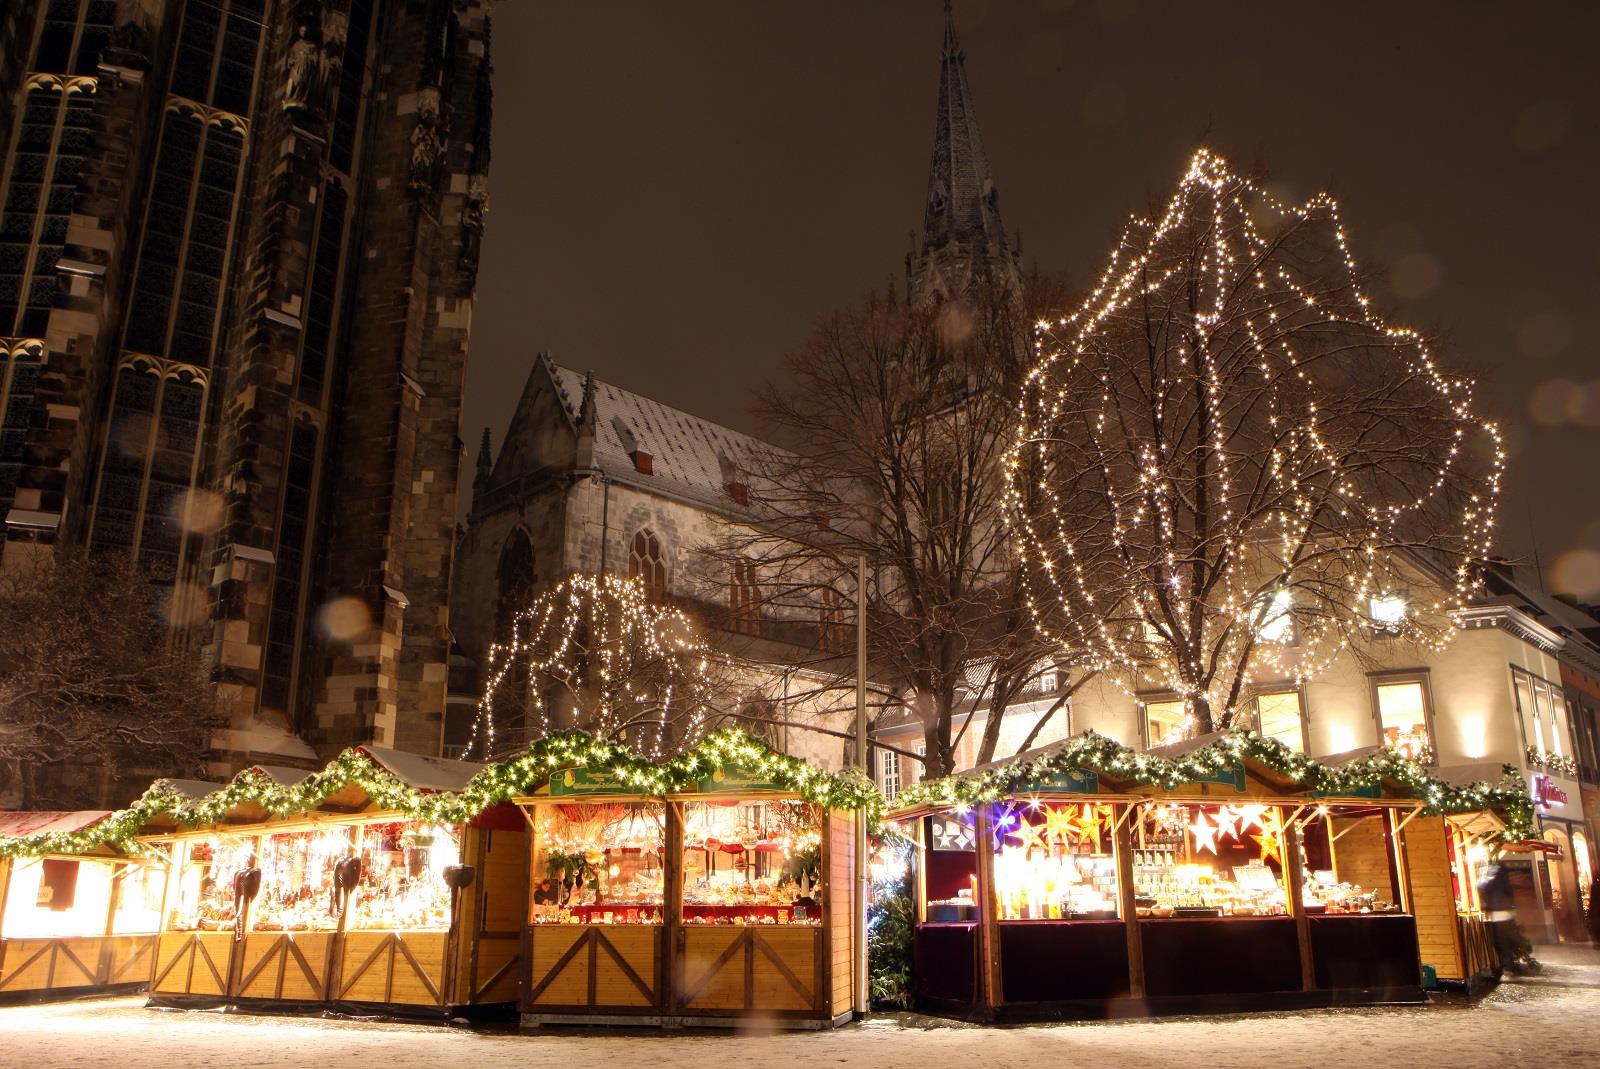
(74, 924)
(706, 903)
(1049, 889)
(346, 903)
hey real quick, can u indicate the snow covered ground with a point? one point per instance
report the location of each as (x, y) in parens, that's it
(1552, 1021)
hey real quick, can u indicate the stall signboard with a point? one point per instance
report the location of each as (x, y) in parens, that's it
(1366, 790)
(1070, 780)
(1232, 776)
(579, 781)
(736, 778)
(951, 833)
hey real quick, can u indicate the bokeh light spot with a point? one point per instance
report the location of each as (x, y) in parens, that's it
(1577, 572)
(344, 619)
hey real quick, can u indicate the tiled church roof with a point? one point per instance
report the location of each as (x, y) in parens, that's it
(690, 456)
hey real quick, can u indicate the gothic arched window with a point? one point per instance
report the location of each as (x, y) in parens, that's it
(647, 563)
(515, 575)
(744, 599)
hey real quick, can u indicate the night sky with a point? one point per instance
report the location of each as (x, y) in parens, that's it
(679, 190)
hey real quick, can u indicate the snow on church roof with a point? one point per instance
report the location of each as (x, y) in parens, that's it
(690, 456)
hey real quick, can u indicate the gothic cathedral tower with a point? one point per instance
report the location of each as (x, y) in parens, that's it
(963, 240)
(238, 250)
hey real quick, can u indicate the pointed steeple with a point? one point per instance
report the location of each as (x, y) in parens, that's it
(485, 470)
(962, 234)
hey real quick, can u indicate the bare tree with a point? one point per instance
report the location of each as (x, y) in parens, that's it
(1229, 464)
(91, 691)
(595, 654)
(894, 421)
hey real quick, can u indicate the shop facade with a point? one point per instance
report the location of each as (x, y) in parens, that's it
(74, 924)
(349, 905)
(719, 897)
(1148, 886)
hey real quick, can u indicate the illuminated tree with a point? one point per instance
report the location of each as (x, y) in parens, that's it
(1227, 463)
(595, 654)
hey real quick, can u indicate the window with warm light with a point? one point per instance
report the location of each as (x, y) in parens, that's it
(1280, 716)
(1388, 612)
(1277, 622)
(1402, 708)
(1164, 721)
(1542, 707)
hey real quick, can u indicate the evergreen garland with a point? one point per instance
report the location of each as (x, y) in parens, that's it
(1093, 751)
(519, 774)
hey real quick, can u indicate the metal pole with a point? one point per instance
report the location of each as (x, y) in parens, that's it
(863, 880)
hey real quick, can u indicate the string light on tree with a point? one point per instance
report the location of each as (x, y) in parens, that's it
(613, 662)
(1225, 458)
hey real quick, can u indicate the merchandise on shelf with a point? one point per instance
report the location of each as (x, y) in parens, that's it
(752, 863)
(1209, 861)
(203, 894)
(1055, 861)
(402, 883)
(599, 863)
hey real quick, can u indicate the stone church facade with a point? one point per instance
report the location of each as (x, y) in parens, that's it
(238, 249)
(592, 478)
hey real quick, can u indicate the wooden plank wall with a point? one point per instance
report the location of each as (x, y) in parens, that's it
(1432, 900)
(1362, 854)
(493, 913)
(840, 907)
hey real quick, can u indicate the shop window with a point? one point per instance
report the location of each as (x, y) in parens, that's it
(599, 863)
(139, 900)
(203, 897)
(1583, 863)
(744, 599)
(889, 773)
(648, 564)
(1403, 715)
(1349, 861)
(402, 876)
(58, 884)
(1280, 716)
(950, 868)
(752, 863)
(297, 893)
(1054, 860)
(1209, 861)
(1165, 721)
(53, 898)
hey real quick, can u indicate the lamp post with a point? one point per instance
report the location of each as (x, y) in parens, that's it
(863, 880)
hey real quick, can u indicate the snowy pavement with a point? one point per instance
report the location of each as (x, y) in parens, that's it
(1551, 1021)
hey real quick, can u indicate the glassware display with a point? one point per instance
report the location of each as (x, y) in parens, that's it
(297, 892)
(203, 895)
(1054, 861)
(599, 863)
(752, 862)
(402, 884)
(1209, 861)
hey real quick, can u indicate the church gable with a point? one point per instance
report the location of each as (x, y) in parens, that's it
(542, 436)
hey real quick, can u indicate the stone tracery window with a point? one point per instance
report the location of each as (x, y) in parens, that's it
(647, 563)
(744, 599)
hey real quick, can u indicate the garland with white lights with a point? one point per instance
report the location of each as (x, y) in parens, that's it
(1302, 497)
(1093, 751)
(634, 666)
(516, 775)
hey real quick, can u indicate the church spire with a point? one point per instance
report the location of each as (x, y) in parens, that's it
(962, 235)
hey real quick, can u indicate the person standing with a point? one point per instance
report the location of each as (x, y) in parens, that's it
(1499, 909)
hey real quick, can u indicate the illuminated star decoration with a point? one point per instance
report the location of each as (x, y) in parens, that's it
(1205, 834)
(1271, 838)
